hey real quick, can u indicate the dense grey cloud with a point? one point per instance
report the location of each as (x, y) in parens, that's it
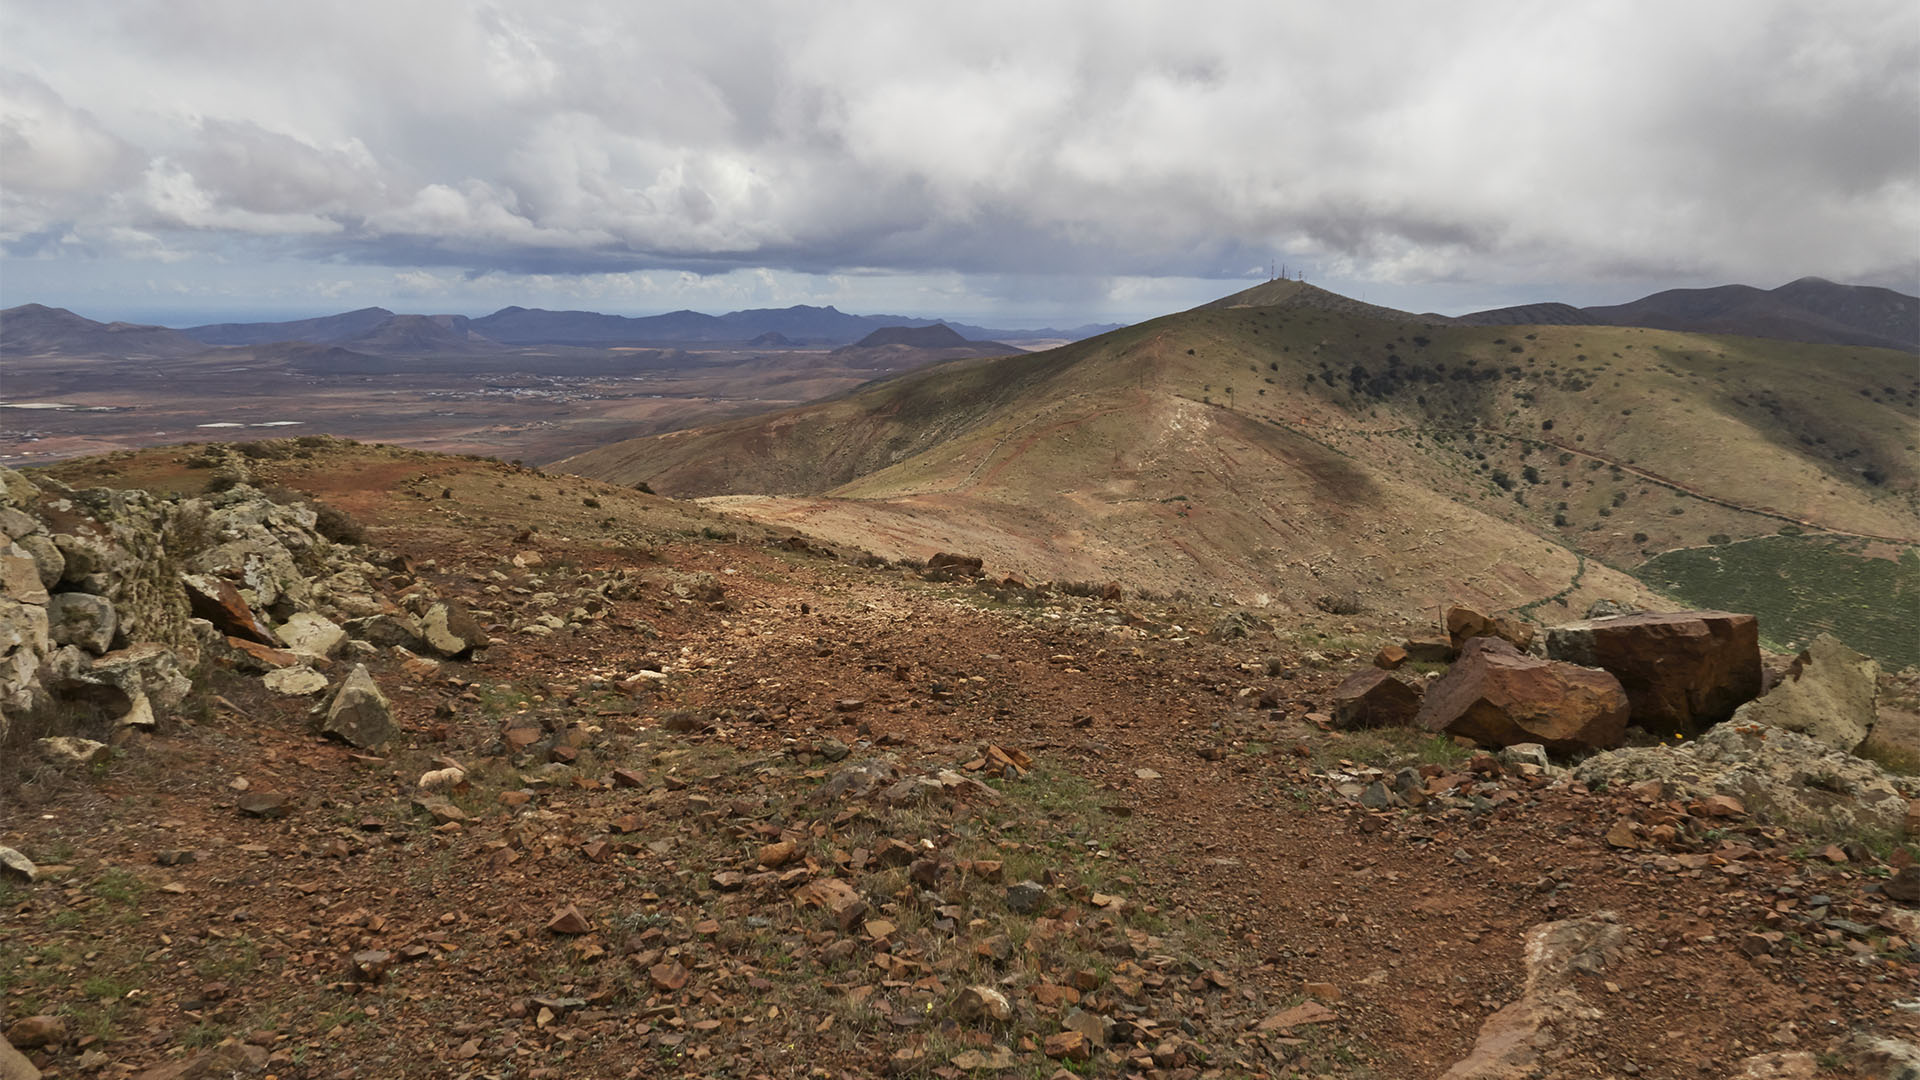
(1480, 151)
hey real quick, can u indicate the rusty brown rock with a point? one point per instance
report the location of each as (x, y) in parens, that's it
(569, 920)
(217, 601)
(1067, 1046)
(1373, 698)
(950, 563)
(1390, 657)
(1430, 649)
(1465, 623)
(1683, 671)
(1498, 696)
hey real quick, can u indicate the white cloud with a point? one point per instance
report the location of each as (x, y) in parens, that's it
(1065, 146)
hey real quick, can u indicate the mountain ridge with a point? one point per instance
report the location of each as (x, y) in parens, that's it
(1287, 450)
(1808, 309)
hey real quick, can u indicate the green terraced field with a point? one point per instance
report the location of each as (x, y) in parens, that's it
(1801, 585)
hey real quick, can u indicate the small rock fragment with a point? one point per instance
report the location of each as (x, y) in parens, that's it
(568, 920)
(1026, 897)
(977, 1003)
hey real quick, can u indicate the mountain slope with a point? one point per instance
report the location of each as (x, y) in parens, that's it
(1810, 309)
(414, 334)
(325, 330)
(1291, 451)
(35, 329)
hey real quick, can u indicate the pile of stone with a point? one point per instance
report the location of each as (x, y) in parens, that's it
(110, 600)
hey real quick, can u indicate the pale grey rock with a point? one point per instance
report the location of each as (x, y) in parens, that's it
(359, 713)
(82, 619)
(1780, 776)
(17, 866)
(46, 557)
(307, 633)
(20, 576)
(1829, 694)
(70, 750)
(299, 681)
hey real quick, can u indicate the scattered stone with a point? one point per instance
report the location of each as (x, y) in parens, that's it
(224, 1061)
(30, 1032)
(359, 714)
(1390, 658)
(1465, 623)
(836, 897)
(778, 854)
(308, 633)
(1374, 698)
(1026, 897)
(1830, 694)
(995, 1058)
(265, 804)
(1722, 806)
(976, 1003)
(1310, 1012)
(370, 965)
(1097, 1029)
(1067, 1046)
(568, 920)
(69, 751)
(1498, 696)
(16, 867)
(1526, 754)
(299, 681)
(448, 630)
(1904, 886)
(668, 976)
(442, 779)
(1683, 671)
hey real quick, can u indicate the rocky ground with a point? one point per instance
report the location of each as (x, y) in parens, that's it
(715, 804)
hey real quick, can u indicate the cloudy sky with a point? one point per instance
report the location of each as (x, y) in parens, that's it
(1015, 163)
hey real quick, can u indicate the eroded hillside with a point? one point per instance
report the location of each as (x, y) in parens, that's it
(1283, 452)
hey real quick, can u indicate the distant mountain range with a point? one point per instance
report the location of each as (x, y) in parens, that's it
(1811, 309)
(762, 327)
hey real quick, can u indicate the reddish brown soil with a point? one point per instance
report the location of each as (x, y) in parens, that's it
(1416, 919)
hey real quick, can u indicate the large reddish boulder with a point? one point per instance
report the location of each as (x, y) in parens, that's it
(1464, 624)
(1684, 671)
(1497, 695)
(1373, 698)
